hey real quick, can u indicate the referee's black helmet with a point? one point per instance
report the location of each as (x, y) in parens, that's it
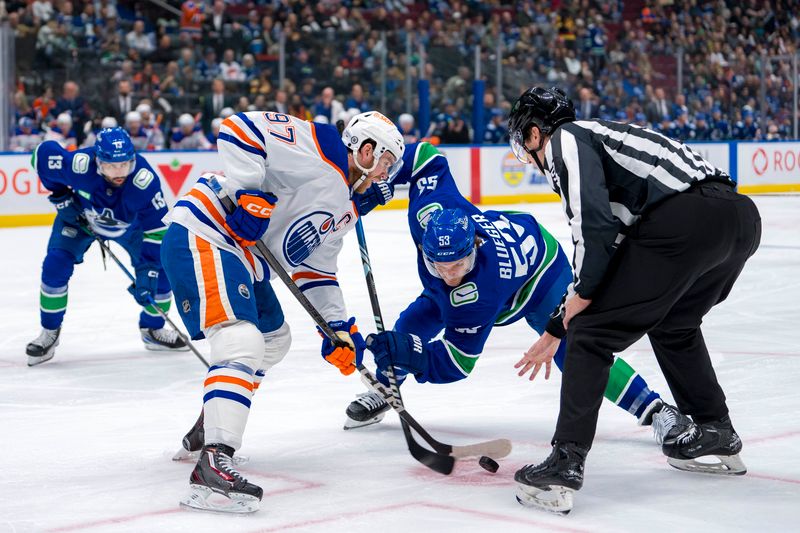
(545, 108)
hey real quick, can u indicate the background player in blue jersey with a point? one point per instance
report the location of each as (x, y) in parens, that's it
(478, 270)
(115, 193)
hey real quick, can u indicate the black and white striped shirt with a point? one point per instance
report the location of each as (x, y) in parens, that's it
(608, 174)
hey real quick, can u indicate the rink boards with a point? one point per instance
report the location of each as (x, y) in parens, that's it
(486, 174)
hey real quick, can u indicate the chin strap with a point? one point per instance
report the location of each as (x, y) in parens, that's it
(533, 152)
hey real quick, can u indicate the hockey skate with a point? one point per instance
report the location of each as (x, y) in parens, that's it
(369, 408)
(215, 485)
(711, 448)
(550, 485)
(43, 347)
(666, 420)
(162, 339)
(193, 440)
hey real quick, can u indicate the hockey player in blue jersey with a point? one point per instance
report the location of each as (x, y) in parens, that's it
(479, 270)
(115, 193)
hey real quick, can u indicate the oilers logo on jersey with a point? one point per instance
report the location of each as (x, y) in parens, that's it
(305, 235)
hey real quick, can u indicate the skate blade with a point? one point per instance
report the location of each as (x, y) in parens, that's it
(204, 499)
(185, 455)
(160, 348)
(349, 423)
(553, 498)
(35, 360)
(726, 465)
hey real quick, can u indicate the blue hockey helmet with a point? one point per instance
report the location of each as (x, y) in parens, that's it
(116, 156)
(449, 237)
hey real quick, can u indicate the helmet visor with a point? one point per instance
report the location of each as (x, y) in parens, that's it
(120, 169)
(518, 147)
(458, 268)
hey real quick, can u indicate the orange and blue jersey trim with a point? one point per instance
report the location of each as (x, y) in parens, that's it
(333, 151)
(308, 280)
(246, 140)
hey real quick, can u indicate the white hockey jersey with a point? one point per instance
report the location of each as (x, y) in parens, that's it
(304, 164)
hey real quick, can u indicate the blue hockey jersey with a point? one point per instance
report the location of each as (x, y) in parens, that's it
(110, 211)
(516, 265)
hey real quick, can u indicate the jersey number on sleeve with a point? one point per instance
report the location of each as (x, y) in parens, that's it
(280, 128)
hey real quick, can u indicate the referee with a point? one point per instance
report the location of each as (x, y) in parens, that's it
(660, 237)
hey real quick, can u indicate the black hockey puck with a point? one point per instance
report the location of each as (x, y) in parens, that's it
(488, 464)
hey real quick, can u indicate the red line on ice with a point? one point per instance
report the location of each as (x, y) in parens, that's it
(303, 485)
(482, 514)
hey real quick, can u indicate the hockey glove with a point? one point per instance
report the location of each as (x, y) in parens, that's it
(68, 209)
(344, 357)
(402, 351)
(144, 290)
(250, 220)
(379, 193)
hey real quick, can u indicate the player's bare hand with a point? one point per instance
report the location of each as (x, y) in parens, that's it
(541, 353)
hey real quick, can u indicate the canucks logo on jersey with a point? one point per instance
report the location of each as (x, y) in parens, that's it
(104, 223)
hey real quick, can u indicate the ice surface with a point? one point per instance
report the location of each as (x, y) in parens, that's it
(87, 437)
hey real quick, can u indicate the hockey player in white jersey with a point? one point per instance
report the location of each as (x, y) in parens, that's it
(295, 183)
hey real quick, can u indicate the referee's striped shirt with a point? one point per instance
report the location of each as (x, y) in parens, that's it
(607, 175)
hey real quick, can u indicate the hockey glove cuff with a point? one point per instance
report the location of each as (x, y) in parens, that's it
(402, 351)
(67, 207)
(144, 290)
(379, 193)
(248, 223)
(345, 358)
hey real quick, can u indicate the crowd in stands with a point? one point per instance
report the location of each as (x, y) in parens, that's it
(170, 80)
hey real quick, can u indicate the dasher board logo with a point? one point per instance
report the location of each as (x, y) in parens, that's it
(515, 172)
(175, 174)
(464, 294)
(305, 235)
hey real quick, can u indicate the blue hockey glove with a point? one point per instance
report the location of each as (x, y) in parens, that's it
(68, 209)
(379, 193)
(250, 220)
(402, 351)
(144, 290)
(344, 357)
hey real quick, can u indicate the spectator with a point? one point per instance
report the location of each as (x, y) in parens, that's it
(496, 131)
(122, 103)
(250, 70)
(137, 133)
(658, 107)
(62, 132)
(281, 104)
(192, 16)
(587, 105)
(405, 123)
(42, 10)
(188, 135)
(208, 67)
(328, 106)
(297, 109)
(230, 69)
(216, 25)
(356, 99)
(213, 135)
(164, 52)
(151, 124)
(26, 136)
(215, 102)
(139, 40)
(73, 104)
(43, 105)
(146, 83)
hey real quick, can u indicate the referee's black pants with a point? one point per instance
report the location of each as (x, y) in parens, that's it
(681, 260)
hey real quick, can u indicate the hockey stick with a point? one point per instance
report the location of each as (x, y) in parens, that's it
(496, 448)
(440, 463)
(107, 250)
